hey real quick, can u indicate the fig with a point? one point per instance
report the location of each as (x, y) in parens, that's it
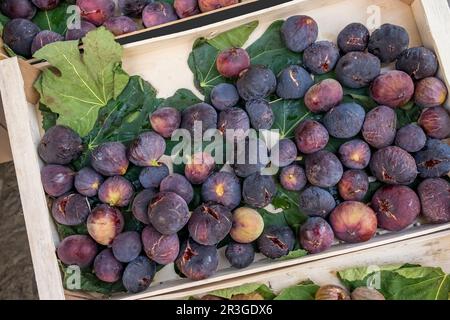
(146, 149)
(323, 169)
(106, 267)
(138, 274)
(209, 224)
(57, 179)
(168, 213)
(353, 222)
(141, 201)
(316, 235)
(396, 207)
(276, 241)
(71, 209)
(293, 82)
(197, 262)
(299, 32)
(311, 136)
(380, 127)
(332, 292)
(231, 62)
(324, 95)
(393, 89)
(116, 191)
(388, 42)
(162, 249)
(418, 62)
(110, 159)
(165, 121)
(258, 190)
(247, 225)
(321, 57)
(87, 182)
(178, 184)
(104, 224)
(434, 194)
(357, 69)
(60, 145)
(393, 165)
(355, 154)
(223, 188)
(434, 160)
(199, 167)
(435, 121)
(354, 37)
(293, 178)
(240, 255)
(345, 120)
(430, 92)
(411, 138)
(77, 250)
(315, 201)
(353, 185)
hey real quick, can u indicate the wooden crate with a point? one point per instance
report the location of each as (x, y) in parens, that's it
(432, 250)
(428, 22)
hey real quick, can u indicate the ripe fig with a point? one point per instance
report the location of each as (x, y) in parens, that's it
(276, 242)
(231, 62)
(293, 82)
(311, 136)
(430, 92)
(353, 185)
(393, 165)
(258, 190)
(71, 209)
(162, 249)
(345, 120)
(434, 195)
(418, 62)
(247, 225)
(324, 95)
(299, 32)
(316, 235)
(165, 121)
(199, 167)
(87, 182)
(323, 169)
(396, 207)
(411, 138)
(140, 205)
(209, 224)
(380, 127)
(354, 37)
(393, 89)
(146, 149)
(106, 267)
(435, 121)
(293, 178)
(223, 188)
(240, 255)
(353, 222)
(77, 250)
(60, 145)
(196, 261)
(116, 191)
(57, 179)
(321, 57)
(388, 42)
(104, 224)
(168, 213)
(332, 292)
(355, 154)
(138, 274)
(357, 69)
(315, 201)
(434, 160)
(110, 159)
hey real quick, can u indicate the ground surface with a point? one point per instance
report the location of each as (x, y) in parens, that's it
(16, 271)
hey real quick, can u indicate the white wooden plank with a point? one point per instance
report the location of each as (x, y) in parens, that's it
(22, 132)
(432, 250)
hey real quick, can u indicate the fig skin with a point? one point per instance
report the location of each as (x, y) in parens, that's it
(332, 292)
(311, 136)
(60, 145)
(393, 89)
(418, 62)
(434, 194)
(434, 160)
(364, 293)
(231, 62)
(316, 235)
(247, 225)
(396, 206)
(110, 159)
(162, 249)
(299, 32)
(324, 95)
(435, 121)
(353, 222)
(430, 92)
(355, 154)
(411, 138)
(104, 224)
(393, 165)
(354, 37)
(323, 169)
(379, 128)
(353, 185)
(388, 42)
